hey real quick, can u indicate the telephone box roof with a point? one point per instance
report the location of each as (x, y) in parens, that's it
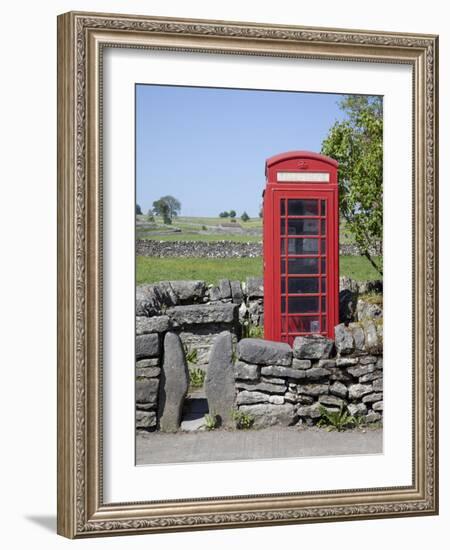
(300, 154)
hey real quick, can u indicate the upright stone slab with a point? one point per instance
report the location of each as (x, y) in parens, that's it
(219, 381)
(174, 384)
(255, 287)
(236, 292)
(225, 288)
(345, 343)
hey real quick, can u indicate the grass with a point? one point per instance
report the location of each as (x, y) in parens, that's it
(250, 224)
(205, 236)
(151, 270)
(358, 268)
(191, 221)
(203, 229)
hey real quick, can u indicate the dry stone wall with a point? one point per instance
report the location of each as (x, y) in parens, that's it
(198, 312)
(276, 384)
(270, 382)
(215, 249)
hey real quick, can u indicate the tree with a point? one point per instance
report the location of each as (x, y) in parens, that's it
(150, 216)
(161, 208)
(357, 144)
(245, 217)
(168, 207)
(223, 215)
(232, 213)
(173, 204)
(138, 210)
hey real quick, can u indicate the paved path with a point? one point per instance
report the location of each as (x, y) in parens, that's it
(220, 445)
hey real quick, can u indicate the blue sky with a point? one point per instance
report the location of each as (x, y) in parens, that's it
(207, 146)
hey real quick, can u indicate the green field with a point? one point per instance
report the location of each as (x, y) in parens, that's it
(358, 268)
(150, 270)
(205, 236)
(185, 228)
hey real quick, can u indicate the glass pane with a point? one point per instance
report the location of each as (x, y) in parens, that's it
(324, 284)
(323, 246)
(283, 304)
(307, 323)
(302, 207)
(303, 285)
(283, 247)
(323, 266)
(282, 225)
(324, 304)
(324, 324)
(322, 229)
(303, 246)
(283, 266)
(323, 208)
(282, 207)
(303, 227)
(300, 266)
(303, 304)
(283, 285)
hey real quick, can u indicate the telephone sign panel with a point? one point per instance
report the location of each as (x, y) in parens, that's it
(301, 246)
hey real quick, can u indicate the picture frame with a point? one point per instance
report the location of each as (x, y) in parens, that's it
(82, 41)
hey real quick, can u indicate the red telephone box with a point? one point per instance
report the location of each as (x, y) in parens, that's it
(301, 246)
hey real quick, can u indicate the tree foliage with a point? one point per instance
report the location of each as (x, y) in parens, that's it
(168, 207)
(357, 144)
(245, 217)
(138, 210)
(232, 213)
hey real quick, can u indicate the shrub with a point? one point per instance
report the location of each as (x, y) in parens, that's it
(191, 355)
(336, 420)
(211, 421)
(196, 377)
(250, 330)
(244, 421)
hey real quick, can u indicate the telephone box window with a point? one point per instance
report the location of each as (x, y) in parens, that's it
(302, 207)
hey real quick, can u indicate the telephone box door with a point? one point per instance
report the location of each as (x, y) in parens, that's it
(301, 262)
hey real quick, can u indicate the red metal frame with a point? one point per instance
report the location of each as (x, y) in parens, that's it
(308, 259)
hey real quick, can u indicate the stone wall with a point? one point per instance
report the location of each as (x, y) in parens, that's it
(277, 384)
(148, 371)
(198, 249)
(269, 382)
(199, 312)
(213, 249)
(272, 382)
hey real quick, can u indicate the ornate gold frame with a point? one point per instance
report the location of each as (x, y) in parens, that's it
(81, 37)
